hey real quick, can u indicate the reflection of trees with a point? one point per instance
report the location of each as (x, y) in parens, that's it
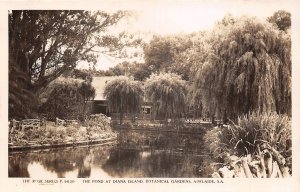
(168, 164)
(100, 155)
(78, 158)
(84, 165)
(170, 155)
(17, 166)
(169, 141)
(176, 157)
(120, 161)
(96, 156)
(131, 163)
(59, 161)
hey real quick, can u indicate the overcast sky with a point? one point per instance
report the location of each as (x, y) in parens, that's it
(165, 18)
(169, 17)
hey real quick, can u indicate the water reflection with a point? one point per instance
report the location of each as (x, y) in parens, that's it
(57, 163)
(17, 166)
(135, 155)
(155, 163)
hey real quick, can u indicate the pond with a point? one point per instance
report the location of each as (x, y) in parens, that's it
(135, 154)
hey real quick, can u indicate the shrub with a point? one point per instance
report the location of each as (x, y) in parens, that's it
(60, 132)
(98, 124)
(129, 125)
(250, 131)
(66, 98)
(71, 130)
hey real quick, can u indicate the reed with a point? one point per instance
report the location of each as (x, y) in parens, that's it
(250, 131)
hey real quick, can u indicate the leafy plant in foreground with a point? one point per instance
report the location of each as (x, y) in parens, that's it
(251, 130)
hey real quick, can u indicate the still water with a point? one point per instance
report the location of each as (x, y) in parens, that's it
(134, 155)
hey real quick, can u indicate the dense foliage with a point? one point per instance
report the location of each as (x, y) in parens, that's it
(259, 145)
(66, 98)
(44, 43)
(139, 71)
(96, 127)
(251, 130)
(123, 95)
(166, 54)
(247, 67)
(79, 74)
(240, 71)
(281, 19)
(167, 92)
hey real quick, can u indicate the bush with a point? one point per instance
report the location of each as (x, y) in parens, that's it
(71, 130)
(128, 125)
(250, 131)
(98, 125)
(66, 98)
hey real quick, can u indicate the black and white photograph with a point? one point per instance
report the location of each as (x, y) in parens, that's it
(161, 92)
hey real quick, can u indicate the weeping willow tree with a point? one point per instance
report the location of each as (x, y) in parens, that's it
(123, 96)
(247, 67)
(167, 92)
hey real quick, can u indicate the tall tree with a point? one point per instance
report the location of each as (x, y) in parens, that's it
(79, 74)
(140, 71)
(43, 44)
(123, 95)
(247, 67)
(167, 92)
(120, 69)
(163, 54)
(281, 19)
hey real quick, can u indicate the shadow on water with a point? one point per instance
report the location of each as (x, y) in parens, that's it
(135, 155)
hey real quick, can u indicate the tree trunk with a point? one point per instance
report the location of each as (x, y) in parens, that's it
(121, 118)
(225, 119)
